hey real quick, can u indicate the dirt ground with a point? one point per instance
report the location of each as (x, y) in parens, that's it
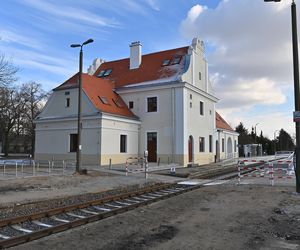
(223, 216)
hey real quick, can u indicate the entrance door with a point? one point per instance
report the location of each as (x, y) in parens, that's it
(190, 148)
(152, 146)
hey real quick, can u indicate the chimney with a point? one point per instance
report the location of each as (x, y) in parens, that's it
(135, 55)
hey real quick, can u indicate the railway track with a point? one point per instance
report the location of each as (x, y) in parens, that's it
(22, 229)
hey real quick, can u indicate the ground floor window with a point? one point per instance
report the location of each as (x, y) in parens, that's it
(73, 142)
(223, 145)
(210, 143)
(201, 144)
(123, 143)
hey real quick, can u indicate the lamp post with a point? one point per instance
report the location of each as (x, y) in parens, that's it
(79, 121)
(296, 87)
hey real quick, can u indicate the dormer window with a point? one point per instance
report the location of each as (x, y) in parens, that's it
(105, 72)
(166, 62)
(118, 103)
(103, 99)
(176, 60)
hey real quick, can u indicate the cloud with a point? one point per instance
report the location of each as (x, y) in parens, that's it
(246, 43)
(265, 122)
(153, 4)
(249, 53)
(10, 36)
(76, 14)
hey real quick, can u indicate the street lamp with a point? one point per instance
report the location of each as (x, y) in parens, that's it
(296, 88)
(79, 121)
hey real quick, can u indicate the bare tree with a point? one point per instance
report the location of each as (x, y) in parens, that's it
(7, 71)
(35, 98)
(12, 107)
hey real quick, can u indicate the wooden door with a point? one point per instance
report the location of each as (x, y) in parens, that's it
(152, 146)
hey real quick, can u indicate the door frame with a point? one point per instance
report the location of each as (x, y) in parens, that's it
(146, 141)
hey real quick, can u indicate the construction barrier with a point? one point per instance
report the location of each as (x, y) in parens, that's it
(266, 170)
(136, 162)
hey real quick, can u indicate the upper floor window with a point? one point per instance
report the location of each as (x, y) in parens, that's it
(152, 104)
(191, 96)
(131, 104)
(235, 145)
(68, 102)
(200, 76)
(201, 144)
(201, 108)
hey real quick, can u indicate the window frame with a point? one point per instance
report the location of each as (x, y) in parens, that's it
(73, 142)
(201, 144)
(201, 109)
(123, 143)
(68, 102)
(130, 104)
(147, 104)
(210, 138)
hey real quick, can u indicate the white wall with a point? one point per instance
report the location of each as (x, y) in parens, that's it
(56, 105)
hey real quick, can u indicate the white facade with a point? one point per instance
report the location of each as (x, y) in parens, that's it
(182, 129)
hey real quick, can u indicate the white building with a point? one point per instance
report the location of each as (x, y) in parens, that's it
(162, 102)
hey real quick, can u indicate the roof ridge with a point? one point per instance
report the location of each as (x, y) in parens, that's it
(152, 53)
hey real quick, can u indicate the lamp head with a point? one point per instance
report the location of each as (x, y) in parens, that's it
(88, 41)
(75, 45)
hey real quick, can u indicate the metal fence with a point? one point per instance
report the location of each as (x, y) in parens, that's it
(28, 167)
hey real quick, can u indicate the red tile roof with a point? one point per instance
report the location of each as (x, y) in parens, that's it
(221, 123)
(151, 68)
(96, 87)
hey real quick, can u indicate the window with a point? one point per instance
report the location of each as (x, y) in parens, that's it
(210, 143)
(176, 60)
(191, 96)
(223, 145)
(199, 75)
(131, 104)
(210, 111)
(201, 144)
(123, 143)
(105, 72)
(234, 145)
(68, 102)
(152, 104)
(166, 62)
(201, 108)
(191, 104)
(67, 93)
(73, 142)
(101, 73)
(103, 99)
(118, 103)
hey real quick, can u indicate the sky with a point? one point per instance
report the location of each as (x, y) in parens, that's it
(248, 46)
